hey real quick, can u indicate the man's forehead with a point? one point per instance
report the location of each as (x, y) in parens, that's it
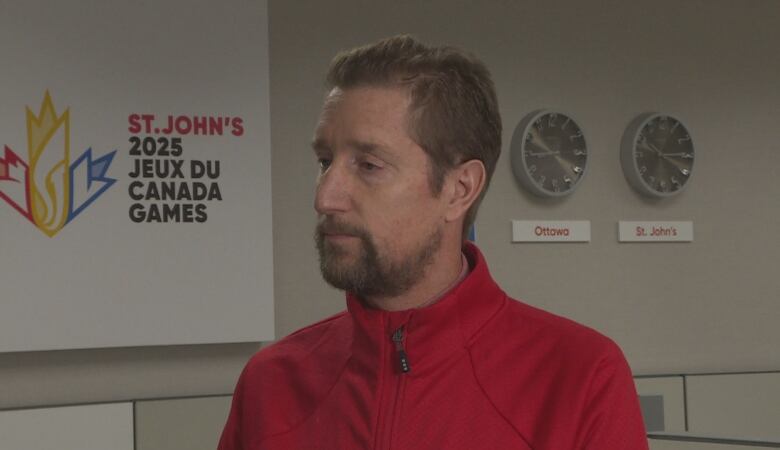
(382, 99)
(332, 99)
(320, 144)
(369, 114)
(368, 120)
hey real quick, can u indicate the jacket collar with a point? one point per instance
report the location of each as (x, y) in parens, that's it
(434, 332)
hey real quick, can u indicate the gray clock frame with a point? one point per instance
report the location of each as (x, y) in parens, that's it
(628, 160)
(520, 166)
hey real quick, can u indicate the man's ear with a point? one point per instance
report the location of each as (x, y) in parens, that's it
(464, 184)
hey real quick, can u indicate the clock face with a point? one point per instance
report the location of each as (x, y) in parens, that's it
(658, 158)
(549, 154)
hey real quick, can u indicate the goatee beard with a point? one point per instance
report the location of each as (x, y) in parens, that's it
(369, 274)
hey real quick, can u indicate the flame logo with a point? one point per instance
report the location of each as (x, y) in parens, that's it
(43, 190)
(46, 134)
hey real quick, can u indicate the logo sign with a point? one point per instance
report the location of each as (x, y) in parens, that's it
(51, 188)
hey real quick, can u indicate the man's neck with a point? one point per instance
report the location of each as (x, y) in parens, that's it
(464, 271)
(441, 276)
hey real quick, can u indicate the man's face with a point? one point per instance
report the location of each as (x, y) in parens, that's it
(379, 224)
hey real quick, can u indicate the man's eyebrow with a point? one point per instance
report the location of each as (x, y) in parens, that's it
(365, 147)
(319, 145)
(369, 147)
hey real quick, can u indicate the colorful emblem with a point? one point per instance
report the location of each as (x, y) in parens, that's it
(48, 189)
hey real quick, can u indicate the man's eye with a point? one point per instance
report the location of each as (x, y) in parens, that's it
(369, 167)
(324, 163)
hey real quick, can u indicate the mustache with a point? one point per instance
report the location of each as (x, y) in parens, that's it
(332, 226)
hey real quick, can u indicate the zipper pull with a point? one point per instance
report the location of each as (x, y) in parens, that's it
(398, 338)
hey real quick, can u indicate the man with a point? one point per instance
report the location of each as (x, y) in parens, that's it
(430, 353)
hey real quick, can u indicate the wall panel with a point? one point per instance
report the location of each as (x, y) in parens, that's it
(89, 427)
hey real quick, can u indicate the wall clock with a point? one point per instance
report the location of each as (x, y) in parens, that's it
(657, 155)
(549, 153)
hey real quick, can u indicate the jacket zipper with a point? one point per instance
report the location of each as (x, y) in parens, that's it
(393, 413)
(403, 359)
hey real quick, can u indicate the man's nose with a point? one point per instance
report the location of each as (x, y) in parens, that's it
(332, 193)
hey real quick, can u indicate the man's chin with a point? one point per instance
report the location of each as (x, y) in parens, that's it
(345, 260)
(337, 252)
(340, 275)
(338, 259)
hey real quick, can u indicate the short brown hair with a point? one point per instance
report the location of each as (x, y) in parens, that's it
(453, 113)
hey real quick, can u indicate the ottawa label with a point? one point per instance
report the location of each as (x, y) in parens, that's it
(551, 231)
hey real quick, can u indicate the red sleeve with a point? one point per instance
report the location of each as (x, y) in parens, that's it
(613, 419)
(231, 434)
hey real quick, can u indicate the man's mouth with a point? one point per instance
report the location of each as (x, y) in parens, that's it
(337, 231)
(339, 237)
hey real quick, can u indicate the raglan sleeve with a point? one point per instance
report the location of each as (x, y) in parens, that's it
(613, 419)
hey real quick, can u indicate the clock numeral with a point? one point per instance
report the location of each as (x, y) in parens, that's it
(551, 120)
(643, 169)
(563, 127)
(577, 169)
(576, 135)
(685, 172)
(532, 168)
(684, 139)
(674, 127)
(541, 179)
(567, 180)
(639, 154)
(579, 152)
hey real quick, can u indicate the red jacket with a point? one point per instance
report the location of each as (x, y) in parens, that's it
(483, 371)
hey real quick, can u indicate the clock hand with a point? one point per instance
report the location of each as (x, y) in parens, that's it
(538, 141)
(654, 148)
(646, 144)
(666, 156)
(685, 155)
(681, 167)
(540, 154)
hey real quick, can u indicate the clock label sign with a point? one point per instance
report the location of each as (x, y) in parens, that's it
(652, 231)
(550, 231)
